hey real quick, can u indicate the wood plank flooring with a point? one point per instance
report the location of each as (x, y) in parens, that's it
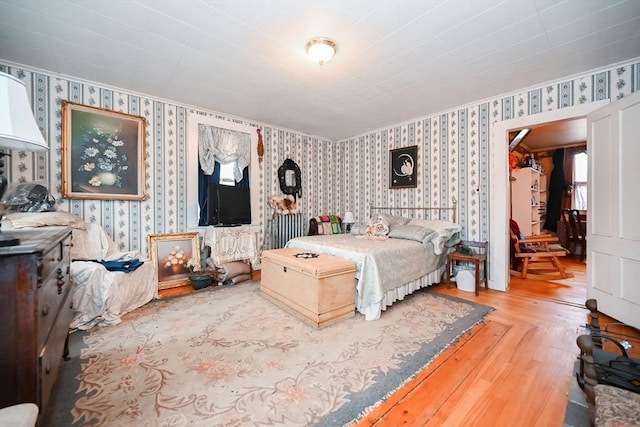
(513, 370)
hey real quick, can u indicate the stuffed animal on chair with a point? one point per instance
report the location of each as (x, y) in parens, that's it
(283, 205)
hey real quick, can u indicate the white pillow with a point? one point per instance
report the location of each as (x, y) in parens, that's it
(45, 219)
(411, 232)
(391, 220)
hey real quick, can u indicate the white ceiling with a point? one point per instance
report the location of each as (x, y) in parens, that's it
(397, 60)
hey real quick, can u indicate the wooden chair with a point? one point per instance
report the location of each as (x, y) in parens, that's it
(537, 256)
(578, 232)
(475, 253)
(568, 238)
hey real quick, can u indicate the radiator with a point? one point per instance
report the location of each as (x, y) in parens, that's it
(286, 227)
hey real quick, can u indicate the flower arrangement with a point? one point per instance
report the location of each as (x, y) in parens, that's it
(176, 260)
(102, 158)
(193, 265)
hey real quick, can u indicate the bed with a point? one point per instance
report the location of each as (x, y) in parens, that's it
(410, 257)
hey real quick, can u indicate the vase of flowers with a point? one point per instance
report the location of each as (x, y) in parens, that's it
(102, 160)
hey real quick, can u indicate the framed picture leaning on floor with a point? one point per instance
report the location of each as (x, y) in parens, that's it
(174, 254)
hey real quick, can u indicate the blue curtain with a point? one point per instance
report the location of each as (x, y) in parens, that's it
(203, 187)
(245, 179)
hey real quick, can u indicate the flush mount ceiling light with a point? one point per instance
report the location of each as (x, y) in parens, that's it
(321, 49)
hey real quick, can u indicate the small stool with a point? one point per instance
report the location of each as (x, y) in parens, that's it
(475, 253)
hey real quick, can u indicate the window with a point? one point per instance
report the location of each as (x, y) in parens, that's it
(226, 174)
(579, 197)
(195, 186)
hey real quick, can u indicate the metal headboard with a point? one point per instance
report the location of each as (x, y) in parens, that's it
(411, 212)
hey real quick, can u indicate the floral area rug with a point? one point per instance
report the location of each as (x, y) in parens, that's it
(226, 356)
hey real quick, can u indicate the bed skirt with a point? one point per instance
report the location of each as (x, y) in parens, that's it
(373, 311)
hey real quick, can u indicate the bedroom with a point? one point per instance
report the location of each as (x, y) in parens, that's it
(455, 158)
(455, 168)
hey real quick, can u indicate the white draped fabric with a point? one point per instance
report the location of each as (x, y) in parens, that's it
(232, 244)
(223, 146)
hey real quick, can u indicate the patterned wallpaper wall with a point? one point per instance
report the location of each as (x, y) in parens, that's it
(454, 147)
(453, 154)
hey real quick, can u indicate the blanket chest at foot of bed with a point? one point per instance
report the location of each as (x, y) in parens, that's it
(320, 290)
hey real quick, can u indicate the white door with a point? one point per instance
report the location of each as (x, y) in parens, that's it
(613, 214)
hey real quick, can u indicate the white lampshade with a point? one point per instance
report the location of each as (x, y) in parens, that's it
(348, 218)
(18, 127)
(321, 49)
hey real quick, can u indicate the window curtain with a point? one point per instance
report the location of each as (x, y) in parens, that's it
(557, 186)
(216, 146)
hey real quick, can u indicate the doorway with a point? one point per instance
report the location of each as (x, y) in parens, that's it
(499, 176)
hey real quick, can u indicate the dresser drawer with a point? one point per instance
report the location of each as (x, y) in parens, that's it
(52, 288)
(52, 350)
(52, 258)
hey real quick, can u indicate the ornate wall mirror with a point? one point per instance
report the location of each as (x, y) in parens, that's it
(290, 178)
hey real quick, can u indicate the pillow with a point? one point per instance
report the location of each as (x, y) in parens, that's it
(391, 220)
(411, 232)
(45, 219)
(358, 230)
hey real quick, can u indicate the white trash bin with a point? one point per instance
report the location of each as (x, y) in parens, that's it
(466, 280)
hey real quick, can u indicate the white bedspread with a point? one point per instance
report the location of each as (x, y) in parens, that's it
(381, 265)
(100, 297)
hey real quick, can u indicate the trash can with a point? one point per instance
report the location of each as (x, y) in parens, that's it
(466, 280)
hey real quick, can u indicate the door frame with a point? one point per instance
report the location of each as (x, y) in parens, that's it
(499, 179)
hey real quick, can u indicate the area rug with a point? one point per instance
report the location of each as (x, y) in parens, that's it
(226, 356)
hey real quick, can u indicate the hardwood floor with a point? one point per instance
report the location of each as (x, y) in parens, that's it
(513, 370)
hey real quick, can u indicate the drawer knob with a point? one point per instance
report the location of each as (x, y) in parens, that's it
(45, 310)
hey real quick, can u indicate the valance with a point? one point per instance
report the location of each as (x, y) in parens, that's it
(223, 146)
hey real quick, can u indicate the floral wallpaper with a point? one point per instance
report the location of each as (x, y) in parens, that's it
(454, 147)
(338, 176)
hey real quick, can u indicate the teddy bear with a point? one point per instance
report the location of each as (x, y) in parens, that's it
(283, 205)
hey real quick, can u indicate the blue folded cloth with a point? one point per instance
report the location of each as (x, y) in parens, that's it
(126, 265)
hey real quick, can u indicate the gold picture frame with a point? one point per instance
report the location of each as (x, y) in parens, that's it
(102, 154)
(170, 253)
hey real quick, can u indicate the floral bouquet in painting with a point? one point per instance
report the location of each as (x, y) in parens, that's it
(103, 159)
(177, 261)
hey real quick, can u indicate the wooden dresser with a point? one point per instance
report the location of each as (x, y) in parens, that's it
(35, 313)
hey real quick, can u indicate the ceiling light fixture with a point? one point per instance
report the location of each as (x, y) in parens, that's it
(321, 49)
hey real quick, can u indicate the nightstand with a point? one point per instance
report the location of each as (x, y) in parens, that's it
(474, 253)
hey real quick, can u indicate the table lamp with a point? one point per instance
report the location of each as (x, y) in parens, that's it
(348, 221)
(18, 130)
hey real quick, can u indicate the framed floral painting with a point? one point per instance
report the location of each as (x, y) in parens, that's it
(176, 256)
(102, 154)
(403, 168)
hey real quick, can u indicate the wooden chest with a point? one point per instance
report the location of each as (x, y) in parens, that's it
(321, 290)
